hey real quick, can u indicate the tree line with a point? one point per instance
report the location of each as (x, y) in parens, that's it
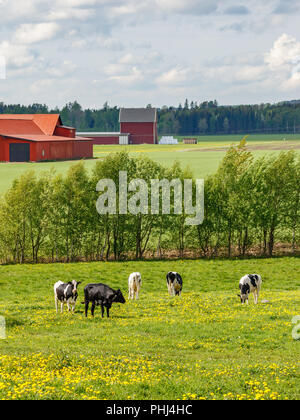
(191, 118)
(251, 206)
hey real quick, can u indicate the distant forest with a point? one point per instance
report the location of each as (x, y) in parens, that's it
(190, 118)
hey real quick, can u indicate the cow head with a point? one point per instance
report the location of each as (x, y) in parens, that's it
(243, 298)
(244, 295)
(119, 298)
(74, 284)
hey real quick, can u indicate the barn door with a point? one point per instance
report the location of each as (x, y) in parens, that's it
(19, 152)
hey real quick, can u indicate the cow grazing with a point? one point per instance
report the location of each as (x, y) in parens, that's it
(134, 285)
(66, 293)
(174, 283)
(251, 283)
(101, 295)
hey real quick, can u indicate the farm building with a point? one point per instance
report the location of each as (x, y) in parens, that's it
(137, 126)
(190, 141)
(40, 137)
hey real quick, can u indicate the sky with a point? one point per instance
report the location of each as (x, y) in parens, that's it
(160, 52)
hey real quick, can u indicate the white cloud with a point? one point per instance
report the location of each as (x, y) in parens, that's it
(278, 69)
(188, 6)
(292, 83)
(132, 77)
(12, 11)
(91, 42)
(2, 67)
(175, 76)
(284, 61)
(251, 73)
(70, 13)
(77, 3)
(64, 68)
(33, 33)
(42, 85)
(285, 51)
(132, 67)
(16, 55)
(127, 59)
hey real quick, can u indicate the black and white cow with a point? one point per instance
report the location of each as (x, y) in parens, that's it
(174, 283)
(101, 295)
(250, 283)
(66, 293)
(134, 285)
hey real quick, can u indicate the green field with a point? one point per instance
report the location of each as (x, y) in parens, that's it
(203, 345)
(200, 162)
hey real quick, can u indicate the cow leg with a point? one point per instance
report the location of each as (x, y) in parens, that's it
(257, 294)
(56, 304)
(102, 310)
(254, 296)
(93, 308)
(69, 307)
(169, 289)
(107, 311)
(86, 307)
(61, 307)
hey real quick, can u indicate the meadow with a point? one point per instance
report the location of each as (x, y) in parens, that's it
(202, 345)
(202, 158)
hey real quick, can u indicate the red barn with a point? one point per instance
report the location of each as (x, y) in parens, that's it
(137, 126)
(141, 123)
(40, 137)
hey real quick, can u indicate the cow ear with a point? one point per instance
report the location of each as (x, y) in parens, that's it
(239, 296)
(79, 282)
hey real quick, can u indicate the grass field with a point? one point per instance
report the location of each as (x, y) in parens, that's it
(203, 345)
(203, 158)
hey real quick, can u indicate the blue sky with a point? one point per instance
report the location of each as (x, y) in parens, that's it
(133, 53)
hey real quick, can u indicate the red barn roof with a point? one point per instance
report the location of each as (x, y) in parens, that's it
(29, 123)
(34, 127)
(39, 138)
(138, 115)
